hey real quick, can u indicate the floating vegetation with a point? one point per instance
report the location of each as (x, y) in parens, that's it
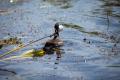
(71, 25)
(107, 8)
(81, 29)
(28, 54)
(113, 66)
(4, 11)
(94, 33)
(64, 4)
(38, 53)
(10, 41)
(111, 2)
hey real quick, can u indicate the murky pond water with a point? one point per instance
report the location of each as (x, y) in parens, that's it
(91, 39)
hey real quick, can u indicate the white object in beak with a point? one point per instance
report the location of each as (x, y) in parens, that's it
(61, 27)
(12, 1)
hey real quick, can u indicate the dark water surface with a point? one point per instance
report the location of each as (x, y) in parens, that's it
(94, 58)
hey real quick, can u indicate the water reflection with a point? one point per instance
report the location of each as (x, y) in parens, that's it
(18, 1)
(110, 9)
(58, 51)
(62, 3)
(6, 4)
(49, 50)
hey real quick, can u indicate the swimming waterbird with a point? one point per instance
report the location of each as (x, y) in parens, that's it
(51, 46)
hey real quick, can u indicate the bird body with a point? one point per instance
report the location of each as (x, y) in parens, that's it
(56, 42)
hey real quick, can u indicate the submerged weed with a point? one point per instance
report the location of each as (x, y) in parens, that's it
(81, 29)
(70, 25)
(113, 66)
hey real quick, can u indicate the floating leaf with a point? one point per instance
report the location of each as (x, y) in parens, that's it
(39, 53)
(28, 54)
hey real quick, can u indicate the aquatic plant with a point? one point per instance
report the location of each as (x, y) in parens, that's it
(94, 33)
(64, 4)
(71, 25)
(81, 29)
(27, 54)
(10, 41)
